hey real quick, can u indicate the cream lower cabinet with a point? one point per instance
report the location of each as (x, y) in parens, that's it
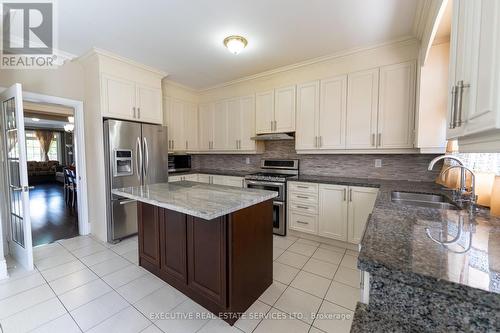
(192, 177)
(333, 211)
(209, 179)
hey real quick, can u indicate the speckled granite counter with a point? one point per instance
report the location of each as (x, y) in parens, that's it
(233, 173)
(437, 287)
(206, 201)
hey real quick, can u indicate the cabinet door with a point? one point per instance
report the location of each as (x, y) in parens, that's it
(148, 103)
(220, 126)
(333, 113)
(218, 180)
(193, 177)
(333, 211)
(303, 222)
(176, 129)
(148, 234)
(247, 105)
(206, 126)
(172, 179)
(118, 97)
(207, 258)
(233, 181)
(284, 109)
(202, 178)
(307, 116)
(234, 123)
(361, 203)
(396, 106)
(362, 103)
(191, 126)
(173, 244)
(264, 112)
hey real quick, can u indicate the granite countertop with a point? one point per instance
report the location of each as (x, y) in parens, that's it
(206, 201)
(234, 173)
(396, 245)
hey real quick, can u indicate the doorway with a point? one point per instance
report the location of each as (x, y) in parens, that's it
(49, 133)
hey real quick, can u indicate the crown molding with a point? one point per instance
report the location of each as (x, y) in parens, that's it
(100, 52)
(420, 20)
(398, 41)
(179, 85)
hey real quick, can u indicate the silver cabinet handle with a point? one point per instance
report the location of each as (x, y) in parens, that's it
(301, 186)
(315, 142)
(350, 195)
(302, 197)
(124, 202)
(301, 222)
(453, 109)
(320, 141)
(186, 144)
(139, 113)
(146, 156)
(373, 139)
(302, 207)
(460, 93)
(243, 182)
(379, 139)
(138, 159)
(133, 108)
(345, 194)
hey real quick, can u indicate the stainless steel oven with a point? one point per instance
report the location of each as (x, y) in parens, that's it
(279, 211)
(269, 186)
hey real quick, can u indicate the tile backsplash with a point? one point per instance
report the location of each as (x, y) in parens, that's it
(399, 167)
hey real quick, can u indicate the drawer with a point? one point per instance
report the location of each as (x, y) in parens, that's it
(310, 199)
(303, 222)
(303, 208)
(303, 187)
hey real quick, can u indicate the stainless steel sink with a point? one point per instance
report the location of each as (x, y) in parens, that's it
(422, 200)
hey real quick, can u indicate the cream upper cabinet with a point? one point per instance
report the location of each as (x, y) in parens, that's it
(396, 116)
(176, 126)
(275, 110)
(191, 126)
(307, 116)
(118, 97)
(361, 203)
(362, 105)
(333, 113)
(220, 141)
(474, 108)
(234, 121)
(206, 126)
(284, 109)
(247, 109)
(333, 211)
(264, 112)
(148, 104)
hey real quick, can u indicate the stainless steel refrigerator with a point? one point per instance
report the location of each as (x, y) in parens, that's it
(135, 154)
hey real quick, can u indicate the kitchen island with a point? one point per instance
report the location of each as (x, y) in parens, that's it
(211, 242)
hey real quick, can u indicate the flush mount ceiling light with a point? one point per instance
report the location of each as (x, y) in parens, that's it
(235, 44)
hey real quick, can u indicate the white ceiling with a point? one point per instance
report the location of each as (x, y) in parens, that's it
(184, 37)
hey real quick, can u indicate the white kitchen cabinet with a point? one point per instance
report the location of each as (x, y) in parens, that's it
(176, 125)
(234, 123)
(190, 126)
(333, 211)
(220, 141)
(264, 112)
(221, 180)
(321, 114)
(206, 126)
(275, 110)
(396, 115)
(307, 116)
(203, 178)
(284, 109)
(474, 109)
(128, 100)
(149, 108)
(361, 203)
(247, 109)
(362, 109)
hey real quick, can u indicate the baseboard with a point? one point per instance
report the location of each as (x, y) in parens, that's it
(3, 269)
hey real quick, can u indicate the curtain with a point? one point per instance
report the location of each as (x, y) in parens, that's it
(45, 138)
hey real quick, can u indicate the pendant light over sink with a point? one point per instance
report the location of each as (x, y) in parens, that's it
(235, 44)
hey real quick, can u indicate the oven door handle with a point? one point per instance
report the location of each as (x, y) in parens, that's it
(278, 203)
(253, 182)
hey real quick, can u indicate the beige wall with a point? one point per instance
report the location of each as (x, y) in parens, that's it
(65, 81)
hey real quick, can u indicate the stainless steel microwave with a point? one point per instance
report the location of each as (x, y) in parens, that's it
(178, 163)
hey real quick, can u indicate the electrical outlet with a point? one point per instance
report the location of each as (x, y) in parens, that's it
(378, 163)
(247, 160)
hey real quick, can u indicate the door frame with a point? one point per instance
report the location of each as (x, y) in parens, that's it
(80, 161)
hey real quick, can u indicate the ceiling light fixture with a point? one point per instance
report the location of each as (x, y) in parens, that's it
(235, 44)
(35, 119)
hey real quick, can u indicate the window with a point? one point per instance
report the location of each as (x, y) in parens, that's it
(34, 151)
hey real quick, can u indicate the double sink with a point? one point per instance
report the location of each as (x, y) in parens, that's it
(422, 200)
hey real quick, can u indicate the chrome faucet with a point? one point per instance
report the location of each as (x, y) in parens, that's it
(453, 158)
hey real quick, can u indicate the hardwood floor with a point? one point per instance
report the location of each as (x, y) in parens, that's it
(51, 218)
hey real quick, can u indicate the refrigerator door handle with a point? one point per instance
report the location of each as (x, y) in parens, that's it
(138, 158)
(146, 157)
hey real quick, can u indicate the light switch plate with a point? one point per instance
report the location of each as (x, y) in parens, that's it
(378, 163)
(247, 160)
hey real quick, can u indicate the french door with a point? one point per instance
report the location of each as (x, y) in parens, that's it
(16, 176)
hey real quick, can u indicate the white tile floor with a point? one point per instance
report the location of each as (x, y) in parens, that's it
(80, 284)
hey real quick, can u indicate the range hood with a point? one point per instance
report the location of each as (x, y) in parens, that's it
(273, 137)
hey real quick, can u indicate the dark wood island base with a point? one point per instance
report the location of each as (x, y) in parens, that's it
(223, 264)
